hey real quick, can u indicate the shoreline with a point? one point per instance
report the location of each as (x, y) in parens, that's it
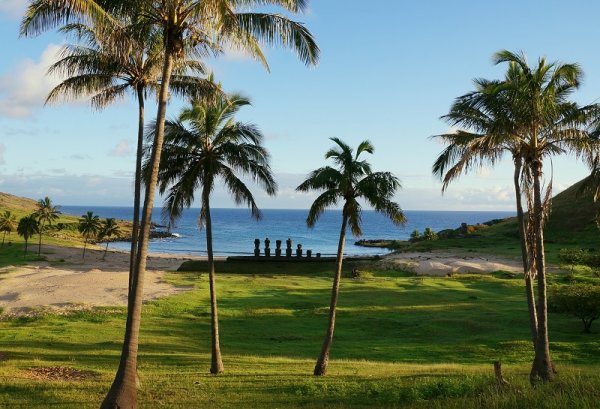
(64, 281)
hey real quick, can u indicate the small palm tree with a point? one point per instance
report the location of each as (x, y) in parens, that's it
(8, 224)
(203, 146)
(108, 229)
(351, 180)
(46, 213)
(89, 226)
(27, 227)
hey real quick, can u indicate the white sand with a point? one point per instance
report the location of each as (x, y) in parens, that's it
(76, 283)
(439, 264)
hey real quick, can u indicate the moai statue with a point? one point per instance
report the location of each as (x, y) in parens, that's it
(299, 250)
(278, 248)
(288, 249)
(267, 248)
(308, 253)
(256, 247)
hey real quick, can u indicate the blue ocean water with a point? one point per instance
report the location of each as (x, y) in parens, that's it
(234, 230)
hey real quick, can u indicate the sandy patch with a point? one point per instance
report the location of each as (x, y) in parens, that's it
(440, 264)
(66, 281)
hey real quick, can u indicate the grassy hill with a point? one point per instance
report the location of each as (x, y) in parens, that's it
(572, 223)
(62, 232)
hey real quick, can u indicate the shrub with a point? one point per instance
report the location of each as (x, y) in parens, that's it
(580, 300)
(573, 256)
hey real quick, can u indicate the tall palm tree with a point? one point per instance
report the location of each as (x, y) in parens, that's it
(46, 213)
(93, 69)
(89, 226)
(488, 130)
(108, 229)
(27, 227)
(205, 145)
(8, 223)
(529, 115)
(198, 27)
(350, 181)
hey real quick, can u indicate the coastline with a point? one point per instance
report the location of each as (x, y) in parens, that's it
(65, 282)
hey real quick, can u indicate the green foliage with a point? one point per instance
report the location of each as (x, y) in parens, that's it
(579, 300)
(429, 234)
(415, 235)
(573, 256)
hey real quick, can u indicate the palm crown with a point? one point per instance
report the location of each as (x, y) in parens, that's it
(206, 143)
(350, 181)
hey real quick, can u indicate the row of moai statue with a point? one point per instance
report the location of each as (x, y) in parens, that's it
(278, 251)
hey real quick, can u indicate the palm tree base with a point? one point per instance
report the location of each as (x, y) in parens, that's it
(320, 369)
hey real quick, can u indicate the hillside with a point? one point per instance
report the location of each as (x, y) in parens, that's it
(16, 204)
(63, 231)
(572, 223)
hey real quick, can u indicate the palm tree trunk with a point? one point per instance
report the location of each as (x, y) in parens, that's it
(25, 249)
(84, 245)
(527, 270)
(137, 184)
(216, 365)
(123, 391)
(321, 366)
(40, 242)
(105, 250)
(542, 367)
(3, 237)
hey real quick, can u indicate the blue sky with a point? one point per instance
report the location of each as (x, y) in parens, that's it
(387, 73)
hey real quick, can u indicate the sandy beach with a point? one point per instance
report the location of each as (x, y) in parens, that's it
(65, 282)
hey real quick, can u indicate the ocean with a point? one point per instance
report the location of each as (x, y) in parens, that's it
(234, 231)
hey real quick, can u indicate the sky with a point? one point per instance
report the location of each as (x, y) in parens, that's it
(387, 73)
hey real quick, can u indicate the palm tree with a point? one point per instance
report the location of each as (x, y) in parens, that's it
(46, 213)
(187, 26)
(351, 180)
(95, 69)
(488, 130)
(89, 226)
(205, 145)
(108, 229)
(27, 227)
(529, 115)
(8, 223)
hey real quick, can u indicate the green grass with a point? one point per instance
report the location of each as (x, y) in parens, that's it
(400, 341)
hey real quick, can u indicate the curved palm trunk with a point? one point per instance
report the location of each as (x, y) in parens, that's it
(527, 270)
(137, 184)
(321, 366)
(216, 365)
(542, 367)
(123, 391)
(84, 246)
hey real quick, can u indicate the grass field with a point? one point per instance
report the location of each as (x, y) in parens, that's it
(400, 341)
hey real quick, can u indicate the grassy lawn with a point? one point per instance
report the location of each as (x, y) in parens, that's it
(401, 341)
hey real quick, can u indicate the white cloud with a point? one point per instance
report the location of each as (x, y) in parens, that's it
(2, 152)
(122, 149)
(25, 88)
(12, 8)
